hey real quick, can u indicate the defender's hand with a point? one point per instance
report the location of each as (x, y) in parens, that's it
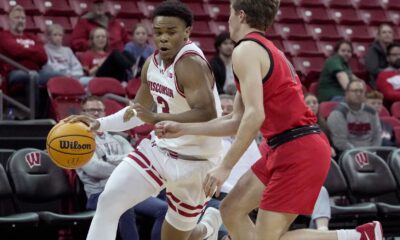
(168, 129)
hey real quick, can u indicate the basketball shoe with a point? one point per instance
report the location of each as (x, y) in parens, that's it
(370, 231)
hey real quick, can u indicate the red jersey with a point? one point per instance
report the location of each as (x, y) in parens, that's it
(284, 105)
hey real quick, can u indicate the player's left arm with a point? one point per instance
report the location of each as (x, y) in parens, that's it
(195, 79)
(250, 69)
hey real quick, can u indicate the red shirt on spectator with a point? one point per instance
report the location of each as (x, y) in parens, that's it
(389, 91)
(92, 59)
(117, 35)
(26, 49)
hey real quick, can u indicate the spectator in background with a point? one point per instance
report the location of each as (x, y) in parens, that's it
(139, 48)
(388, 81)
(100, 62)
(352, 123)
(375, 101)
(336, 73)
(94, 19)
(61, 59)
(221, 64)
(375, 59)
(27, 50)
(312, 102)
(110, 150)
(98, 52)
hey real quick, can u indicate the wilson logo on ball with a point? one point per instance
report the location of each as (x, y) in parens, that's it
(74, 145)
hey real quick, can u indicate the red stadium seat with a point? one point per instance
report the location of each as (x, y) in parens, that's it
(54, 7)
(346, 16)
(129, 23)
(339, 4)
(384, 112)
(30, 25)
(100, 86)
(292, 31)
(313, 88)
(392, 121)
(395, 110)
(310, 3)
(375, 16)
(393, 5)
(65, 96)
(302, 48)
(310, 67)
(324, 32)
(315, 15)
(80, 6)
(360, 48)
(112, 106)
(218, 26)
(288, 3)
(397, 135)
(327, 47)
(272, 33)
(204, 43)
(356, 33)
(127, 9)
(201, 28)
(28, 5)
(132, 88)
(288, 14)
(3, 22)
(325, 108)
(43, 21)
(219, 11)
(369, 4)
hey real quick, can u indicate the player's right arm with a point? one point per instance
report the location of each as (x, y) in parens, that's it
(119, 121)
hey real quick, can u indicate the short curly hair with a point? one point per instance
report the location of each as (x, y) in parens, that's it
(174, 8)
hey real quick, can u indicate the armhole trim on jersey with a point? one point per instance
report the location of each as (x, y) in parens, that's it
(191, 52)
(271, 67)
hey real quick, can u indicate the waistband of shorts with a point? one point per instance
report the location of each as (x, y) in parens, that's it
(292, 134)
(176, 155)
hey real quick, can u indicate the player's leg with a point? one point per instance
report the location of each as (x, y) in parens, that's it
(274, 226)
(125, 188)
(186, 200)
(236, 206)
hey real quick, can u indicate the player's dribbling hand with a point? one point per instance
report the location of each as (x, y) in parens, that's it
(92, 123)
(168, 129)
(214, 180)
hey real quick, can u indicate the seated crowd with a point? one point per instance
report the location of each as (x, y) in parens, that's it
(101, 47)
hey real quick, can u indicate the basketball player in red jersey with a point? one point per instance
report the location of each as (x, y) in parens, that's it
(286, 181)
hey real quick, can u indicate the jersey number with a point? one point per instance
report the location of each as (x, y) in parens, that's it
(165, 108)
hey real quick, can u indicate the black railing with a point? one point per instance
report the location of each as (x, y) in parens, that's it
(32, 78)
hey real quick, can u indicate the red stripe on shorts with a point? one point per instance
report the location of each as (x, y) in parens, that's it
(181, 212)
(148, 171)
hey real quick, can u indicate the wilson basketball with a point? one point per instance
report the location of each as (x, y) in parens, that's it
(70, 145)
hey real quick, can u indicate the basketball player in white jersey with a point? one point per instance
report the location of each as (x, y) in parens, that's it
(178, 79)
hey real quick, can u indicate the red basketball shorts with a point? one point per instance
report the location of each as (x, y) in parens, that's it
(293, 174)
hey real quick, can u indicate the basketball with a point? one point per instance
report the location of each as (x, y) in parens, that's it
(70, 145)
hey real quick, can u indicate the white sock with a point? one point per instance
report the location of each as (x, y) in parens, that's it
(209, 229)
(348, 235)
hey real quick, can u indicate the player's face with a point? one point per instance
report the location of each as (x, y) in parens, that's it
(312, 103)
(345, 52)
(227, 106)
(376, 104)
(170, 34)
(234, 23)
(94, 109)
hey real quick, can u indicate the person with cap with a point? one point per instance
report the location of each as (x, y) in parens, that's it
(98, 17)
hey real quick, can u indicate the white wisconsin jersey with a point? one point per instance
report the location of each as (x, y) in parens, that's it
(170, 99)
